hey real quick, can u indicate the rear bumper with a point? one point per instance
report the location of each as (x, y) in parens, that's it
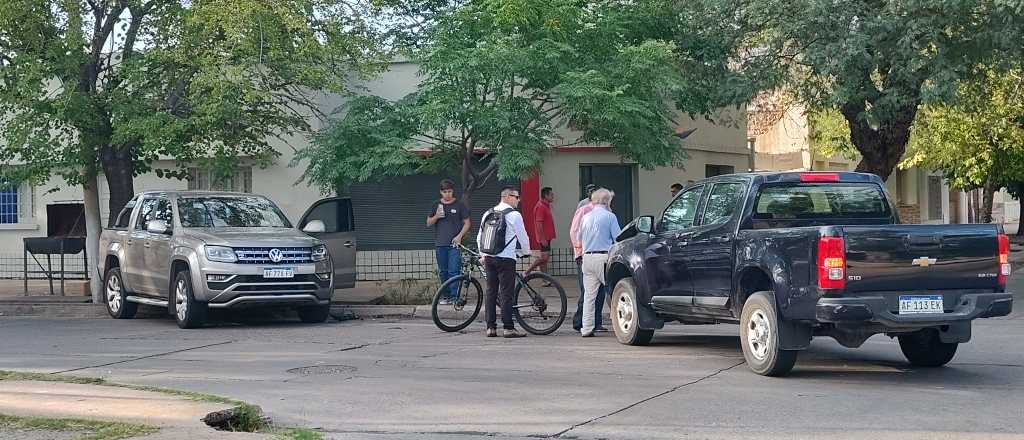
(877, 309)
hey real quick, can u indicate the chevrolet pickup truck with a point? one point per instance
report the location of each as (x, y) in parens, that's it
(190, 251)
(789, 256)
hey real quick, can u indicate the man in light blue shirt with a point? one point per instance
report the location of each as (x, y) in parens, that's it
(597, 234)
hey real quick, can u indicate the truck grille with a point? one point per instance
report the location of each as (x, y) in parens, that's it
(261, 255)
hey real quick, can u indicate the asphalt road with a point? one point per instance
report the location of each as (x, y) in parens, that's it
(406, 379)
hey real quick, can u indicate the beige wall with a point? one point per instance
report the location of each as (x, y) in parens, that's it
(560, 171)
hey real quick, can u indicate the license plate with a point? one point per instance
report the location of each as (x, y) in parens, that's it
(278, 272)
(913, 304)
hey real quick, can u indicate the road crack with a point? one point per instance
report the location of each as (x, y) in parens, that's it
(141, 358)
(648, 399)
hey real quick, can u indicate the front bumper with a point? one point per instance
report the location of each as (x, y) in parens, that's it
(247, 287)
(879, 310)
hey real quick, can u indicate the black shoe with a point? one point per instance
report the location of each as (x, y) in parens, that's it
(512, 333)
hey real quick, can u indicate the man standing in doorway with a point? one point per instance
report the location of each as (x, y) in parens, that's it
(450, 219)
(675, 188)
(501, 266)
(544, 230)
(577, 249)
(597, 234)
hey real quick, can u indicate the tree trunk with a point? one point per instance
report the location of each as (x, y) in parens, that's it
(91, 194)
(986, 209)
(881, 149)
(120, 173)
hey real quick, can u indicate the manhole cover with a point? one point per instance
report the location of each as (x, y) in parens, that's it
(322, 370)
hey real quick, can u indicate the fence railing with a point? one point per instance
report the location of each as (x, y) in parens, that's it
(422, 264)
(370, 265)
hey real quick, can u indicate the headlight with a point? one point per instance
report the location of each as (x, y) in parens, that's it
(319, 252)
(221, 254)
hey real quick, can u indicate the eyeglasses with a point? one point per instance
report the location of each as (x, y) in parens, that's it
(514, 195)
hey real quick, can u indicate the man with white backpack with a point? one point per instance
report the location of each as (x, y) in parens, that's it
(500, 230)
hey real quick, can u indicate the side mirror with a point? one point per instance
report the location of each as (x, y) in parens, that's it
(643, 224)
(315, 227)
(158, 227)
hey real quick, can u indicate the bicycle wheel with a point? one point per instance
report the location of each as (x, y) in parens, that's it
(463, 310)
(539, 303)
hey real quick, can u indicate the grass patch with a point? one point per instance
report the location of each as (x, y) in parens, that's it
(250, 416)
(408, 291)
(298, 434)
(92, 429)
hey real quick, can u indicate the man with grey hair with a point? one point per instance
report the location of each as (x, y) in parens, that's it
(597, 234)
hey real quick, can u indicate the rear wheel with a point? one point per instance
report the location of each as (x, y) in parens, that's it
(625, 315)
(457, 314)
(923, 348)
(314, 314)
(540, 304)
(759, 336)
(116, 296)
(188, 312)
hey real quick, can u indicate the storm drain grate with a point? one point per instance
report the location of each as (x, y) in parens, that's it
(323, 370)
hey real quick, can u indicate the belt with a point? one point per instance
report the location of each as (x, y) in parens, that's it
(595, 252)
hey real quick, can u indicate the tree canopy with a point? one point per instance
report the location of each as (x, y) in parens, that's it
(504, 80)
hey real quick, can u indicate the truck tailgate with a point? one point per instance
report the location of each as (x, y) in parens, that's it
(921, 257)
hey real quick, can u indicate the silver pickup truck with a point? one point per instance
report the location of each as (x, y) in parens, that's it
(189, 251)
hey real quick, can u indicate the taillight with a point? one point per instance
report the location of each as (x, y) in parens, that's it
(831, 263)
(819, 177)
(1004, 259)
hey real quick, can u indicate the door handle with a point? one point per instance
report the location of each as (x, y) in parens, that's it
(146, 244)
(129, 242)
(720, 239)
(348, 244)
(682, 243)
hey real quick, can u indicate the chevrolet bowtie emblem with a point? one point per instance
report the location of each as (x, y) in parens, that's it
(924, 261)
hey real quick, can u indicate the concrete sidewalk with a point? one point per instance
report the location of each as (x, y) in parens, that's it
(176, 417)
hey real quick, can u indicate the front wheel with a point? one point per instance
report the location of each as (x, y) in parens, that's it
(452, 315)
(923, 348)
(116, 296)
(188, 312)
(760, 337)
(540, 303)
(625, 315)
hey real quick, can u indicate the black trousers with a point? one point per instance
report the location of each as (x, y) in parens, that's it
(501, 284)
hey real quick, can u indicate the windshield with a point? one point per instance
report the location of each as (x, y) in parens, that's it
(230, 212)
(830, 200)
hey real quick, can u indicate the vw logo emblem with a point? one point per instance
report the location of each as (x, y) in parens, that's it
(276, 255)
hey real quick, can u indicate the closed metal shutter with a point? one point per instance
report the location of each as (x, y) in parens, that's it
(391, 214)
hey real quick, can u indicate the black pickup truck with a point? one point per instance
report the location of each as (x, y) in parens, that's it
(791, 255)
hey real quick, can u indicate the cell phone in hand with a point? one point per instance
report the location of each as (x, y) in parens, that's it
(440, 210)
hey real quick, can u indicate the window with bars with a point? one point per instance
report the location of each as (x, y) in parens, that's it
(204, 180)
(14, 203)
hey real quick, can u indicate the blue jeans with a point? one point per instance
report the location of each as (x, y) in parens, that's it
(577, 320)
(449, 265)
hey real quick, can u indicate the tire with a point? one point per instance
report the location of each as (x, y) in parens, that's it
(923, 348)
(455, 317)
(188, 312)
(536, 314)
(115, 296)
(759, 336)
(314, 314)
(626, 316)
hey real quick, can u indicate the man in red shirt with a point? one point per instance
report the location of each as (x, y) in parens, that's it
(544, 230)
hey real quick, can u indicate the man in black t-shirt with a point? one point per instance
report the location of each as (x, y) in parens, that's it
(450, 219)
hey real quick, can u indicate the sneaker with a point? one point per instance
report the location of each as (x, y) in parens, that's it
(491, 332)
(445, 302)
(600, 330)
(587, 335)
(512, 334)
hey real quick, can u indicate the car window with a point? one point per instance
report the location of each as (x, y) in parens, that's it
(722, 203)
(163, 211)
(336, 215)
(832, 200)
(125, 217)
(681, 212)
(147, 212)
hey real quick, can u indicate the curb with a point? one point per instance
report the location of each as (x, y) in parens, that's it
(348, 312)
(40, 310)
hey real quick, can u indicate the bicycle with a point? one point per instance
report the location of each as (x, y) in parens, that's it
(533, 314)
